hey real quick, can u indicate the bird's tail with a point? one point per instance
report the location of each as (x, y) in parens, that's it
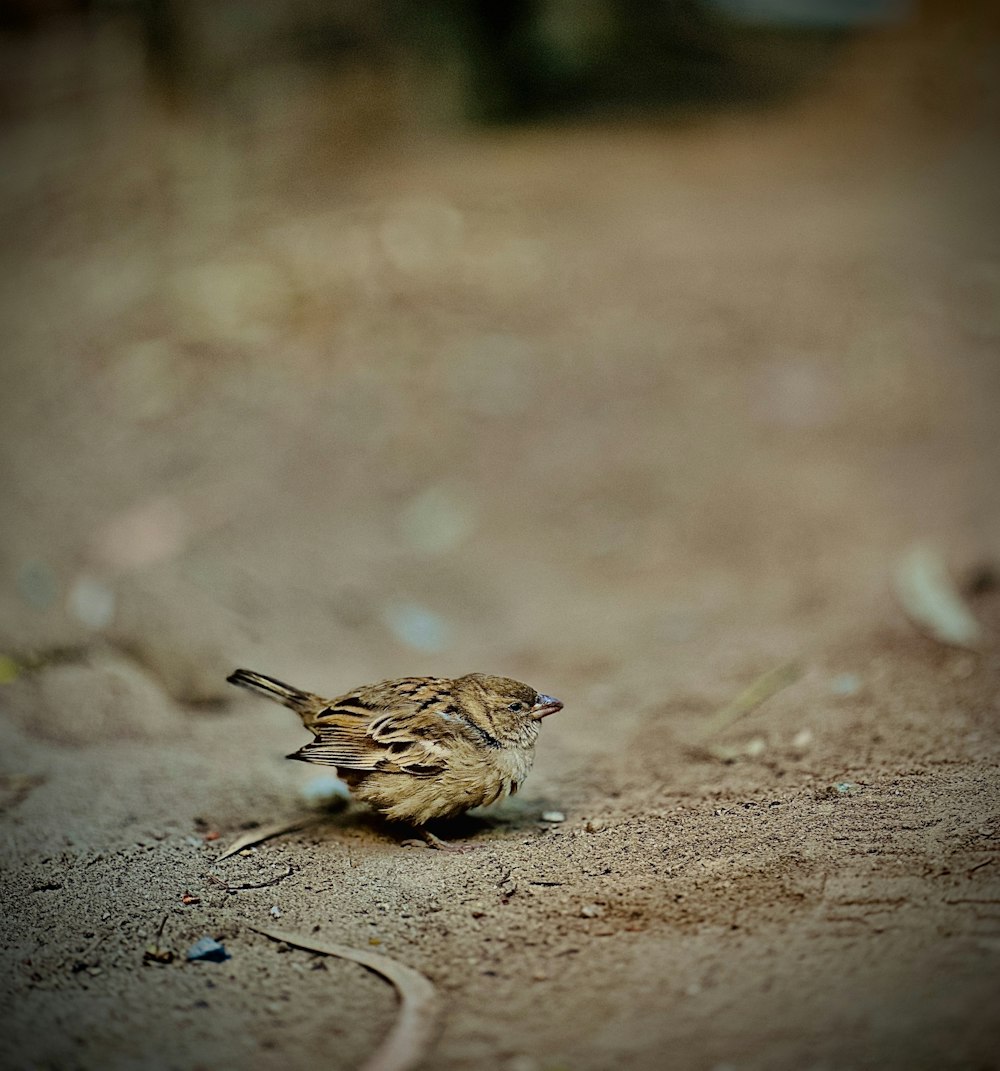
(280, 692)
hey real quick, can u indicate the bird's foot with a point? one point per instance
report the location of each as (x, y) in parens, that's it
(429, 840)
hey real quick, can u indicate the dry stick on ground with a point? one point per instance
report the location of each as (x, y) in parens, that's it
(750, 698)
(216, 880)
(407, 1042)
(275, 829)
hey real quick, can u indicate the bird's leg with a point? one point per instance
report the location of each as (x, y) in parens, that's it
(441, 845)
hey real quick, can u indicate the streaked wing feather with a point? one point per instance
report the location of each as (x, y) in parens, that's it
(364, 733)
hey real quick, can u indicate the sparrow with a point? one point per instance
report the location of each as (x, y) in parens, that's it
(420, 748)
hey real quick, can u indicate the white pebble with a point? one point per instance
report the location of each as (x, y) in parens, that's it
(846, 684)
(553, 816)
(91, 602)
(756, 747)
(802, 739)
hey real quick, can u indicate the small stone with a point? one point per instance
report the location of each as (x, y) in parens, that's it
(595, 825)
(275, 912)
(802, 739)
(846, 684)
(207, 948)
(553, 816)
(755, 747)
(591, 911)
(91, 602)
(838, 790)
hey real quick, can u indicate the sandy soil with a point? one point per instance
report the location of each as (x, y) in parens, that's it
(636, 415)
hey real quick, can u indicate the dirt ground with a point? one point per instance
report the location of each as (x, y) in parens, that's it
(635, 414)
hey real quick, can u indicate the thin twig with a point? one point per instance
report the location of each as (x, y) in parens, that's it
(275, 829)
(765, 686)
(407, 1042)
(215, 880)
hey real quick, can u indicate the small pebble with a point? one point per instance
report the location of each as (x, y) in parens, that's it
(846, 684)
(208, 949)
(595, 825)
(755, 747)
(591, 911)
(553, 816)
(275, 912)
(802, 739)
(91, 602)
(838, 790)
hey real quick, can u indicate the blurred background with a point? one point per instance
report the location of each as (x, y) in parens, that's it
(619, 346)
(570, 339)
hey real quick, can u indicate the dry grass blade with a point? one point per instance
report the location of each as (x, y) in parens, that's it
(931, 600)
(413, 1031)
(765, 686)
(262, 833)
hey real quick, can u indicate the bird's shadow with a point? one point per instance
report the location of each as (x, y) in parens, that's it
(517, 817)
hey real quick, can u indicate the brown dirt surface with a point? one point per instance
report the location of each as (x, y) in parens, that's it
(636, 415)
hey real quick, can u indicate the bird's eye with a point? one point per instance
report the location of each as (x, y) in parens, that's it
(515, 707)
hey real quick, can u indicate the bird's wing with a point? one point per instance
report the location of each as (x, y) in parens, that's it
(393, 729)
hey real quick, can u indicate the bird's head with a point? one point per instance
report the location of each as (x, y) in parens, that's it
(507, 709)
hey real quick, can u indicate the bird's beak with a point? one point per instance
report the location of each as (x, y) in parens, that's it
(545, 706)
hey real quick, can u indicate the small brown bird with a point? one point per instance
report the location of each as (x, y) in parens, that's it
(420, 748)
